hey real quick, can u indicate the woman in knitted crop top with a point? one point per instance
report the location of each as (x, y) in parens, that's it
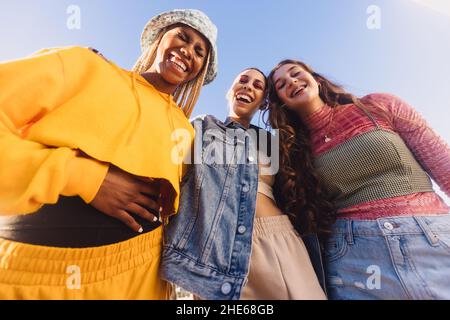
(371, 159)
(275, 242)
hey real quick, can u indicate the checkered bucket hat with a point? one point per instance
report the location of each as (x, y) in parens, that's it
(196, 19)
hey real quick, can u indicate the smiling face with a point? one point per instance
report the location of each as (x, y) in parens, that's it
(297, 88)
(180, 56)
(246, 95)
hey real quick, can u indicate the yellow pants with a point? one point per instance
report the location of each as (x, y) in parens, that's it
(125, 270)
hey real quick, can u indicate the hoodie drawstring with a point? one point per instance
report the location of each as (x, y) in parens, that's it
(170, 104)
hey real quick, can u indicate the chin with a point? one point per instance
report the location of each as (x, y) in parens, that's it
(174, 81)
(302, 102)
(241, 112)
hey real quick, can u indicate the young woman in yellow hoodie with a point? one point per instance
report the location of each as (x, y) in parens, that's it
(90, 161)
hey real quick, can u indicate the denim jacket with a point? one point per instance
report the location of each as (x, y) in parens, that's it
(207, 245)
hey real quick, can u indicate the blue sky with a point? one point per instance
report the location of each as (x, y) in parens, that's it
(408, 55)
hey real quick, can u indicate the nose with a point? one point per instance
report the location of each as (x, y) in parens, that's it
(292, 81)
(186, 52)
(247, 87)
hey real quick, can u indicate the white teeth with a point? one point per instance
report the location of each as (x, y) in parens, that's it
(179, 63)
(299, 90)
(244, 97)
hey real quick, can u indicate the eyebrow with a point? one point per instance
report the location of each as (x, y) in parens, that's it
(289, 70)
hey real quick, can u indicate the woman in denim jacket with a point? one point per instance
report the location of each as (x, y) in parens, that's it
(229, 239)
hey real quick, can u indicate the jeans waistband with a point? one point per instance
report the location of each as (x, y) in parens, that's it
(393, 225)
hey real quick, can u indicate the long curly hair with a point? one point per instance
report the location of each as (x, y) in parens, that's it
(297, 188)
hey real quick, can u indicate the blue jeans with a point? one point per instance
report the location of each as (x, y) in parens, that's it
(389, 258)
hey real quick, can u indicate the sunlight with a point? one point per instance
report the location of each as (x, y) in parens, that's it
(441, 6)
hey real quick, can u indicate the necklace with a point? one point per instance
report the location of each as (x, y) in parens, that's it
(327, 135)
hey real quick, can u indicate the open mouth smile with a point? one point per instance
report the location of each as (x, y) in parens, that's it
(178, 63)
(245, 98)
(298, 91)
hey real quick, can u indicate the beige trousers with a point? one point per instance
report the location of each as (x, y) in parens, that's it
(280, 267)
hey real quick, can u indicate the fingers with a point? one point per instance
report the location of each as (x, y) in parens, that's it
(146, 179)
(128, 220)
(149, 202)
(149, 187)
(122, 193)
(142, 212)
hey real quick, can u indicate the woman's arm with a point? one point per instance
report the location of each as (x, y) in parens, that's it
(32, 174)
(430, 150)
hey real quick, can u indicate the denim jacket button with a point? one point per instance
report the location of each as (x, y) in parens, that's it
(226, 288)
(242, 229)
(388, 225)
(245, 188)
(251, 159)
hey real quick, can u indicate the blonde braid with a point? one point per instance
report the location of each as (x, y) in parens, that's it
(145, 61)
(195, 87)
(182, 92)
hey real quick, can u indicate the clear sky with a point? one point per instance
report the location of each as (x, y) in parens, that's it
(405, 52)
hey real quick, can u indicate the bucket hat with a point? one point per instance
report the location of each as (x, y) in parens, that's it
(195, 19)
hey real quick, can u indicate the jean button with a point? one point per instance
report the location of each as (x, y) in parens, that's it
(242, 229)
(226, 288)
(388, 226)
(245, 188)
(251, 159)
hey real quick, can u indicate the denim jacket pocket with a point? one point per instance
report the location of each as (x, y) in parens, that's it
(335, 247)
(220, 151)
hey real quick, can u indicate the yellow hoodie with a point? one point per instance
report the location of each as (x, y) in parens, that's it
(62, 103)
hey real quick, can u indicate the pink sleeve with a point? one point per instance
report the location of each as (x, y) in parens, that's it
(429, 149)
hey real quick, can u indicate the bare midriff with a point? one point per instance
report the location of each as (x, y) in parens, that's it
(266, 207)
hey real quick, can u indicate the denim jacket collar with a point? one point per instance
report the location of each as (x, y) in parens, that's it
(229, 122)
